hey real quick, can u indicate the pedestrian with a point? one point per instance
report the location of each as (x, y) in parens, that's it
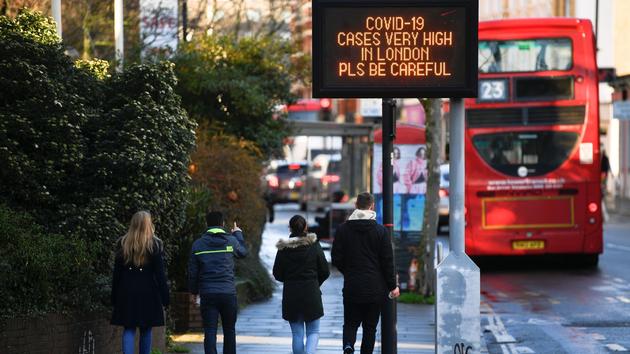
(301, 265)
(605, 170)
(362, 252)
(139, 289)
(211, 276)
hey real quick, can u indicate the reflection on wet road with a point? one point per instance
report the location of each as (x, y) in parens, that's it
(552, 306)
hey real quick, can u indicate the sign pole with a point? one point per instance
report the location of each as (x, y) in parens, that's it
(119, 38)
(388, 315)
(456, 168)
(56, 14)
(458, 288)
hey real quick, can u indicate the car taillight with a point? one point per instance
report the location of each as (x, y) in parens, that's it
(593, 207)
(443, 192)
(330, 179)
(273, 181)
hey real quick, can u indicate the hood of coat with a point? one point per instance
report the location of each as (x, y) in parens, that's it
(359, 214)
(295, 242)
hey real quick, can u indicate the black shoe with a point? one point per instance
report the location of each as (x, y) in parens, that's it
(348, 350)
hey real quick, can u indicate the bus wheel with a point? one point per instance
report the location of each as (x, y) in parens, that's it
(303, 206)
(589, 260)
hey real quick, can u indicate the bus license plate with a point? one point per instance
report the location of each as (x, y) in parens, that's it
(294, 195)
(528, 245)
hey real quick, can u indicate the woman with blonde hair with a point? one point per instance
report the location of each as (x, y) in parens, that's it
(139, 289)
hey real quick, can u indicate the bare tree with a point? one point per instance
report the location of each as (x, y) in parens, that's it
(426, 273)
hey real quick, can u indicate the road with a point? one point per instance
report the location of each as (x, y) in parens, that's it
(551, 307)
(537, 306)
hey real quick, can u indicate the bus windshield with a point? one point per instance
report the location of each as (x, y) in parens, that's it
(525, 55)
(539, 152)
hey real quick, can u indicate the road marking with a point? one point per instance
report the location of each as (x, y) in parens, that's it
(616, 348)
(500, 333)
(623, 299)
(618, 247)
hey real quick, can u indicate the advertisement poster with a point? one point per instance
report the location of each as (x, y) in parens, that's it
(410, 185)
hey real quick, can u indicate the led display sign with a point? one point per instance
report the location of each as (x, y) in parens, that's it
(398, 48)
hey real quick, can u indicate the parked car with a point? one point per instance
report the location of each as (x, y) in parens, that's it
(324, 179)
(443, 206)
(285, 184)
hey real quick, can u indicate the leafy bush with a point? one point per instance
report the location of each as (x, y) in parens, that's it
(228, 171)
(44, 103)
(82, 154)
(42, 272)
(139, 150)
(235, 85)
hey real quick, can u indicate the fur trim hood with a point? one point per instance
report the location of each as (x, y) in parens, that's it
(295, 242)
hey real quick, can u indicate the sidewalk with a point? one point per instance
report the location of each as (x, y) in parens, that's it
(261, 329)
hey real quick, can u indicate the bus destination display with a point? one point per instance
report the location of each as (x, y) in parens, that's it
(394, 50)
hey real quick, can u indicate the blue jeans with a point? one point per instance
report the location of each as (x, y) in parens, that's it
(312, 336)
(129, 336)
(213, 306)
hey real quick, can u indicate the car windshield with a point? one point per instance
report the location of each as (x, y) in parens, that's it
(522, 154)
(525, 55)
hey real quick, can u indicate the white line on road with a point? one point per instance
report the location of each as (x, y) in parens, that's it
(616, 348)
(500, 333)
(623, 299)
(618, 247)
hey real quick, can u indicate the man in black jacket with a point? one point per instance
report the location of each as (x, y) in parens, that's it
(362, 251)
(211, 275)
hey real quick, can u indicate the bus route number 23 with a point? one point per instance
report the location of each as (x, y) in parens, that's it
(492, 90)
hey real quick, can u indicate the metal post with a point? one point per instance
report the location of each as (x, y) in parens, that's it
(56, 13)
(457, 327)
(388, 315)
(456, 175)
(119, 37)
(596, 24)
(184, 21)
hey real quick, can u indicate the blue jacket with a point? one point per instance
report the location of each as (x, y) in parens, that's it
(211, 263)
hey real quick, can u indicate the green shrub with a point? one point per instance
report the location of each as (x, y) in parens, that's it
(139, 151)
(236, 84)
(415, 298)
(44, 104)
(42, 272)
(229, 169)
(199, 197)
(82, 152)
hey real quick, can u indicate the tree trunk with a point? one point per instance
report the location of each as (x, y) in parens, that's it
(429, 230)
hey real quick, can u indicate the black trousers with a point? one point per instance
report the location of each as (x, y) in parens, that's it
(366, 315)
(213, 306)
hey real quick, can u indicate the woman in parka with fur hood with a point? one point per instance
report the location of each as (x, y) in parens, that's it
(301, 265)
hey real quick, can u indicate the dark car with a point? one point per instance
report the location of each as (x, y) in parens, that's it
(286, 183)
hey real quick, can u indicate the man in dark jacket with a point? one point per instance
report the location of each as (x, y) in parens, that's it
(362, 251)
(211, 276)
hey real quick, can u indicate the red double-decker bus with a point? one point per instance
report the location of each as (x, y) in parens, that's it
(532, 141)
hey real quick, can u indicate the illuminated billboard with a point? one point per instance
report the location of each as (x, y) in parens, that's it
(421, 48)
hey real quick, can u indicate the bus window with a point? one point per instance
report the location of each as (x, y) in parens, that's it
(525, 55)
(540, 152)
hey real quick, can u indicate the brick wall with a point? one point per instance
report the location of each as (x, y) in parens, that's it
(185, 311)
(60, 334)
